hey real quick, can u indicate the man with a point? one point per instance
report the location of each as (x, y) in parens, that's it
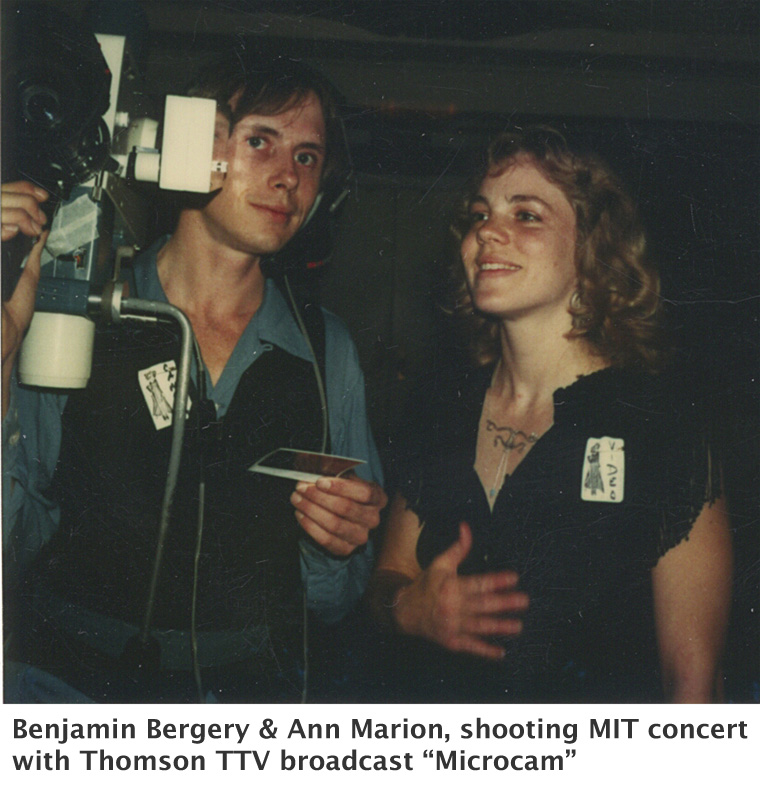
(84, 472)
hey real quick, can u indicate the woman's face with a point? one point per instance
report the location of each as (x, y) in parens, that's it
(519, 252)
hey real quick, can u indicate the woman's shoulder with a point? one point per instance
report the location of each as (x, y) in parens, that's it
(440, 423)
(635, 397)
(446, 396)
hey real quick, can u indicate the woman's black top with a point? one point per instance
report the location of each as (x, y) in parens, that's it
(617, 481)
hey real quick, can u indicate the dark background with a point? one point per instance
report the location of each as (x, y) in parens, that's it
(666, 91)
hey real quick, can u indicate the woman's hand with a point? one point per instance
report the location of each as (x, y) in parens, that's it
(460, 612)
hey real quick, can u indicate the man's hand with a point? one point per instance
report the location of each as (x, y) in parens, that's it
(21, 209)
(339, 513)
(460, 612)
(20, 213)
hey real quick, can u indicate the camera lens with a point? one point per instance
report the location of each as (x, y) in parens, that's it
(41, 106)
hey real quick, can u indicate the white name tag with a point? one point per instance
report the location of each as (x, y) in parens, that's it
(603, 477)
(158, 384)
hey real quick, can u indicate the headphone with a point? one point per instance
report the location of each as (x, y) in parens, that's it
(311, 246)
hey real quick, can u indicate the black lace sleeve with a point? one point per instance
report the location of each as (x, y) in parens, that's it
(690, 467)
(692, 475)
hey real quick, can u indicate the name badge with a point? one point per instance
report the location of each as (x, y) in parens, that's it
(158, 384)
(603, 477)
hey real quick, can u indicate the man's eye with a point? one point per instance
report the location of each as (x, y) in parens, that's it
(256, 142)
(306, 158)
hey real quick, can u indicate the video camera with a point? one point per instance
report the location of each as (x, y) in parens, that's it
(75, 125)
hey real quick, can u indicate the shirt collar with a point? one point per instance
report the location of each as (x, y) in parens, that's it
(272, 323)
(277, 325)
(147, 284)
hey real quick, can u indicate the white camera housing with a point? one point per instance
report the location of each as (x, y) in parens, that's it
(188, 144)
(184, 162)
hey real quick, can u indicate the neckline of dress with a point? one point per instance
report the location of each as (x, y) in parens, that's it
(562, 397)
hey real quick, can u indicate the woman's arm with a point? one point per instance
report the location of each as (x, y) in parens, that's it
(460, 612)
(692, 596)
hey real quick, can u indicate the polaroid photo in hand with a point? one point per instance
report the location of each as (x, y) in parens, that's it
(293, 463)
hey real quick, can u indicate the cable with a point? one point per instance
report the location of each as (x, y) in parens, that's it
(323, 401)
(315, 364)
(305, 687)
(196, 561)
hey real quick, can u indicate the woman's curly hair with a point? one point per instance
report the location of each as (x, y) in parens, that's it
(617, 308)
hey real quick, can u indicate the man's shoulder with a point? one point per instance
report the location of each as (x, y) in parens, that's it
(325, 329)
(335, 325)
(338, 340)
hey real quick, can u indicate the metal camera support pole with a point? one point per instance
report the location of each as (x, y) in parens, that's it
(117, 308)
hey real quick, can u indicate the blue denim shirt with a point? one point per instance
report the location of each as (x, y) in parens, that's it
(32, 437)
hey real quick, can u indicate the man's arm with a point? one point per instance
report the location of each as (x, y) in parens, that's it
(31, 419)
(336, 566)
(31, 443)
(21, 213)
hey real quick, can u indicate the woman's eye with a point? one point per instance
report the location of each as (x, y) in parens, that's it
(306, 158)
(528, 217)
(256, 142)
(477, 217)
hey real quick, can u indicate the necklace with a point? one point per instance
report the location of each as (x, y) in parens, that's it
(510, 440)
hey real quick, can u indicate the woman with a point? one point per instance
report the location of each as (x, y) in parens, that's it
(564, 458)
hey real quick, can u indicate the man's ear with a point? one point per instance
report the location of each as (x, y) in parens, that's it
(217, 181)
(222, 134)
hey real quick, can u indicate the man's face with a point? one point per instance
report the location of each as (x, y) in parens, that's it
(274, 166)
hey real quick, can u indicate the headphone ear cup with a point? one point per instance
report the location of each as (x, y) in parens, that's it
(308, 249)
(311, 247)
